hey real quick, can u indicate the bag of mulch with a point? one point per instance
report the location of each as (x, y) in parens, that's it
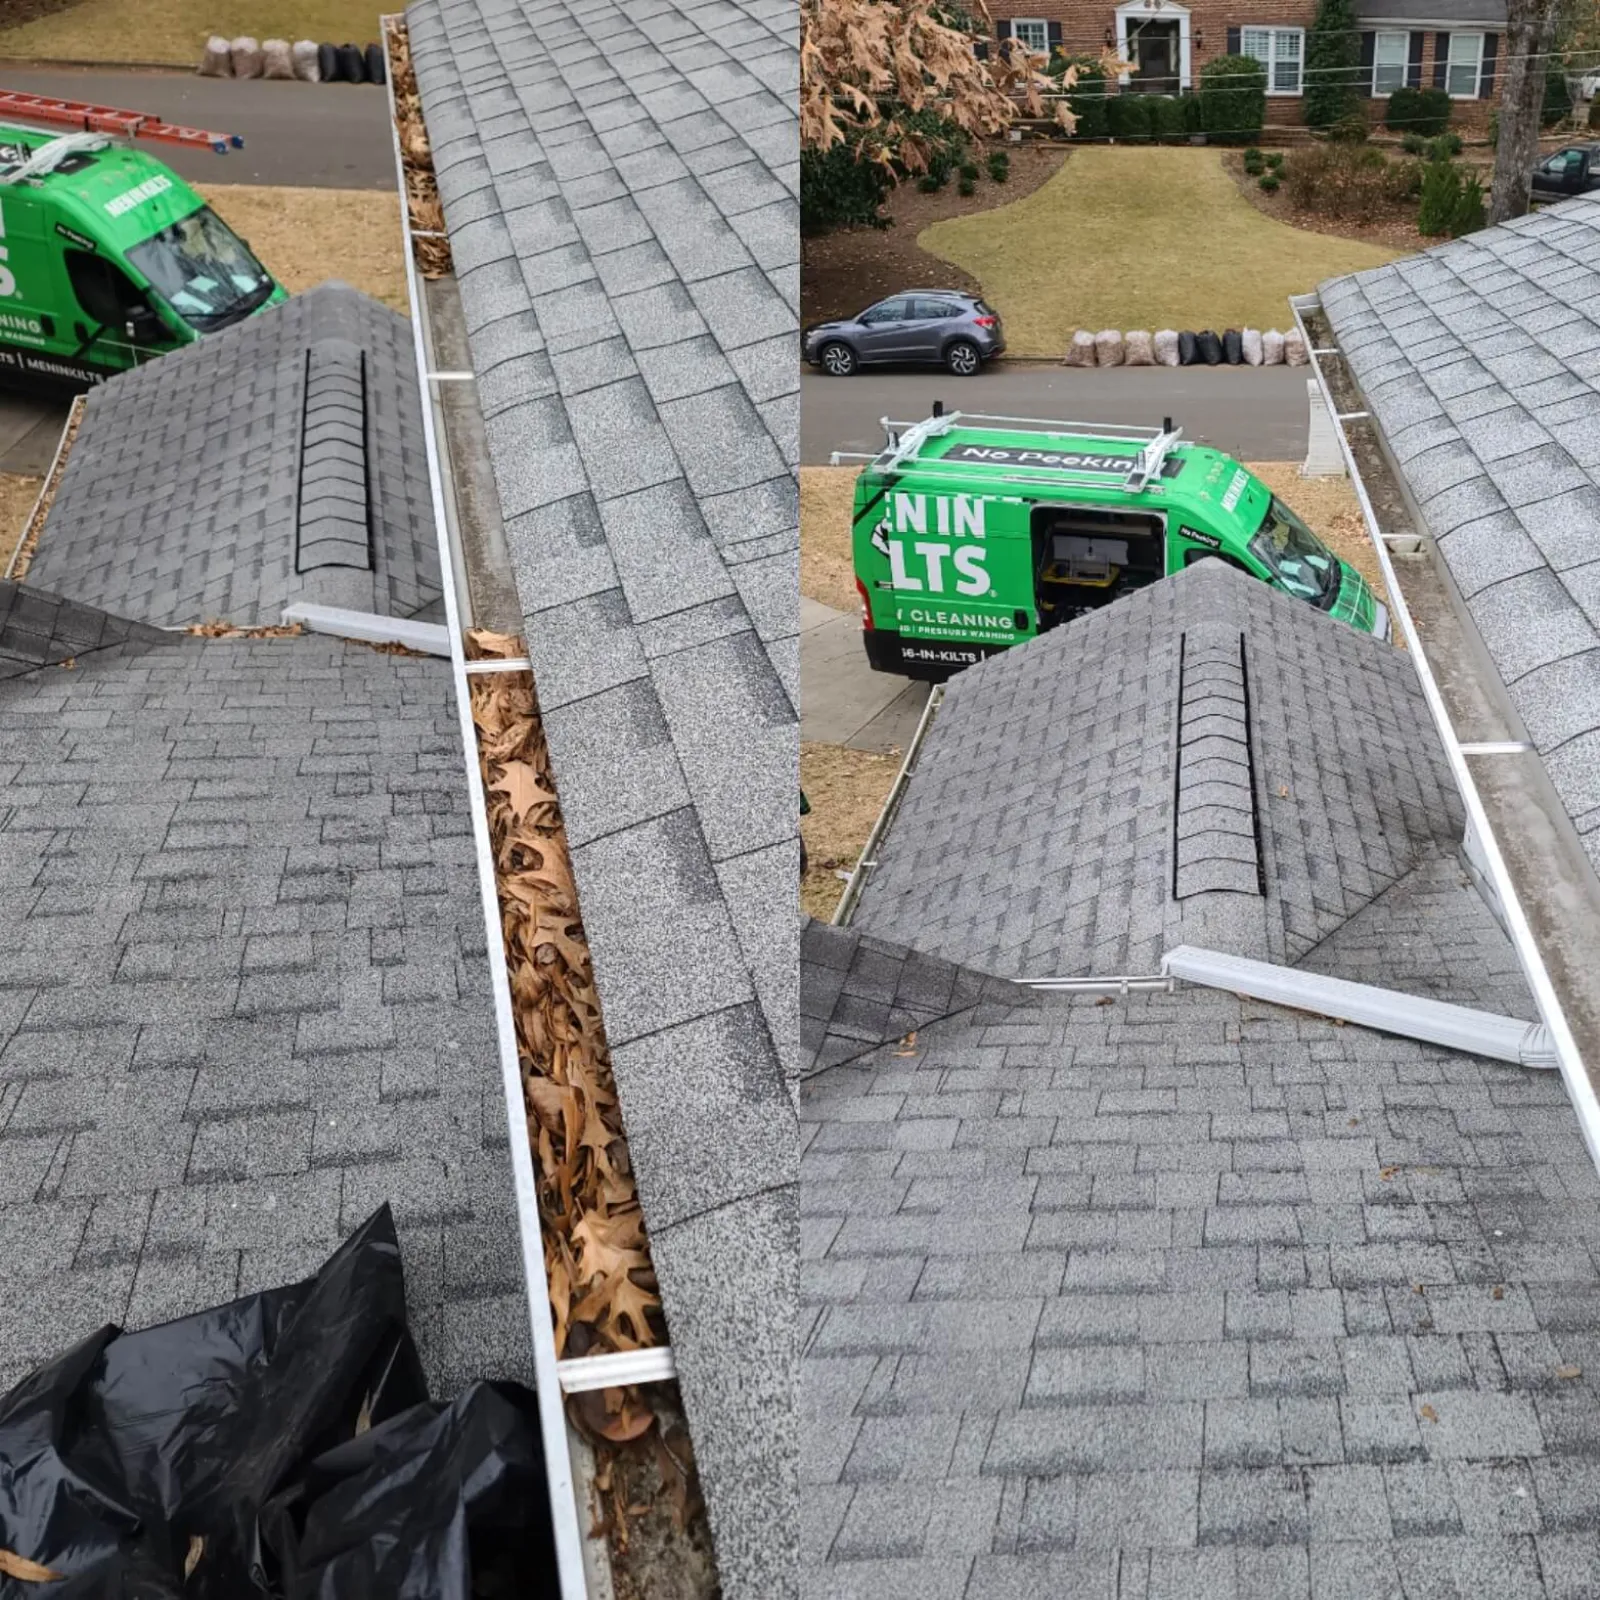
(304, 55)
(1294, 350)
(352, 64)
(1080, 353)
(1233, 347)
(1250, 345)
(1166, 343)
(246, 54)
(1138, 350)
(1108, 348)
(1272, 348)
(1188, 350)
(1209, 348)
(276, 61)
(377, 64)
(217, 62)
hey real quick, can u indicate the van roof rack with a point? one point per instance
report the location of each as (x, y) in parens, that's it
(903, 441)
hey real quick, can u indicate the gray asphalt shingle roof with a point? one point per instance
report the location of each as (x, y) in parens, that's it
(619, 185)
(244, 994)
(1452, 13)
(1480, 360)
(279, 460)
(1237, 771)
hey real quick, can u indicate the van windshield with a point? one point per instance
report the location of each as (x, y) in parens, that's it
(203, 270)
(1294, 555)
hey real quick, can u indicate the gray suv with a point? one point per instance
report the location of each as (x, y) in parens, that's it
(940, 326)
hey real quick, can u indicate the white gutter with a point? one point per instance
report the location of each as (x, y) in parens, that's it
(1492, 863)
(547, 1382)
(867, 860)
(74, 411)
(1475, 1033)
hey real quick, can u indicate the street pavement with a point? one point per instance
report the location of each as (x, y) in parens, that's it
(324, 136)
(1254, 413)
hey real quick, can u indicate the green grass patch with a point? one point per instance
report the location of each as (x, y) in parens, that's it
(1138, 238)
(176, 31)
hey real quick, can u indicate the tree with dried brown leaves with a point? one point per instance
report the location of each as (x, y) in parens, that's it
(867, 65)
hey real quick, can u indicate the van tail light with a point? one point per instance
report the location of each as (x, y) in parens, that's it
(866, 606)
(986, 322)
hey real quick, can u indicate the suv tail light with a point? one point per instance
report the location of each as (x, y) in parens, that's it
(866, 607)
(986, 322)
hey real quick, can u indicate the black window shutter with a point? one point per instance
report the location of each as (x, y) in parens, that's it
(1002, 29)
(1491, 49)
(1414, 63)
(1369, 52)
(1441, 60)
(1235, 41)
(980, 48)
(1053, 34)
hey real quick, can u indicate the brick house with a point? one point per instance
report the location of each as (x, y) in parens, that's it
(1447, 44)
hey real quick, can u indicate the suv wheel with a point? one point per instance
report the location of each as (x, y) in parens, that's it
(837, 360)
(962, 358)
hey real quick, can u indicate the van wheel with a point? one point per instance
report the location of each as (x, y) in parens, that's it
(962, 358)
(838, 360)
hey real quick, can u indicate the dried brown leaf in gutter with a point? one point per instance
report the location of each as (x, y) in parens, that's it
(47, 495)
(423, 208)
(219, 628)
(603, 1290)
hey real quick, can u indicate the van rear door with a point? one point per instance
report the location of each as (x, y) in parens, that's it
(958, 567)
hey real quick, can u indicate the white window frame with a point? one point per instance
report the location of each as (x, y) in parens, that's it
(1161, 11)
(1032, 22)
(1272, 58)
(1451, 65)
(1404, 37)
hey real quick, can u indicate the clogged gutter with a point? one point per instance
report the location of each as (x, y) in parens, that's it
(430, 243)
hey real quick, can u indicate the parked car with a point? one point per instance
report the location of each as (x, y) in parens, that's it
(1574, 170)
(940, 327)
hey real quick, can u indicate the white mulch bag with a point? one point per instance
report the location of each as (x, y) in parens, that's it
(304, 55)
(1080, 353)
(217, 62)
(276, 61)
(1138, 349)
(1166, 346)
(1250, 344)
(1272, 348)
(1294, 350)
(246, 55)
(1108, 348)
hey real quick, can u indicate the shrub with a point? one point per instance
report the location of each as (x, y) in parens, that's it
(1275, 160)
(928, 183)
(1269, 182)
(1086, 99)
(1424, 111)
(1351, 128)
(1441, 198)
(967, 185)
(1233, 98)
(1333, 65)
(1166, 119)
(1446, 146)
(1254, 162)
(838, 189)
(1129, 116)
(1557, 105)
(999, 165)
(1402, 181)
(1342, 180)
(968, 172)
(1414, 144)
(1194, 114)
(1470, 211)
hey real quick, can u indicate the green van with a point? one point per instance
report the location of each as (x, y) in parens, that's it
(973, 533)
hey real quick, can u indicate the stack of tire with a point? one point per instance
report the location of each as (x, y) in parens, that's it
(1247, 347)
(306, 60)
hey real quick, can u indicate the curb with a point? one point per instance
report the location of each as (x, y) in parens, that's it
(68, 64)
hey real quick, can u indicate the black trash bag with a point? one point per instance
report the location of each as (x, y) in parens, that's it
(328, 63)
(1209, 348)
(352, 64)
(218, 1445)
(377, 67)
(1233, 347)
(1188, 354)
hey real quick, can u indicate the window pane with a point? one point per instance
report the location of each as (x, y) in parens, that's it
(1466, 50)
(1286, 44)
(1031, 35)
(1391, 49)
(1257, 42)
(1386, 79)
(1463, 81)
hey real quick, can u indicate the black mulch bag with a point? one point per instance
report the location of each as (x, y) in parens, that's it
(377, 67)
(1188, 352)
(1209, 348)
(282, 1445)
(328, 63)
(1233, 347)
(352, 64)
